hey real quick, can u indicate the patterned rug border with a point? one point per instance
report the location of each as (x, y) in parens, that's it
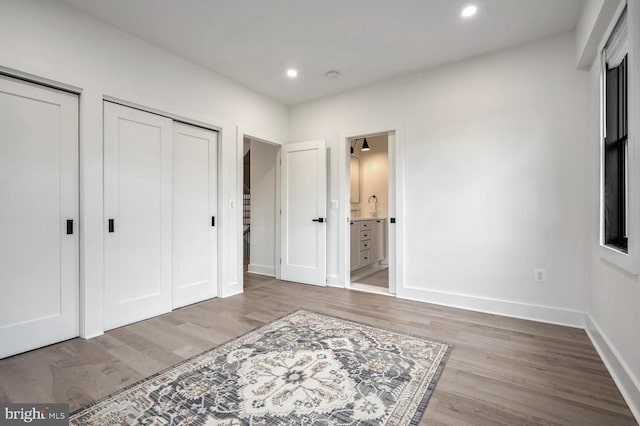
(416, 418)
(432, 385)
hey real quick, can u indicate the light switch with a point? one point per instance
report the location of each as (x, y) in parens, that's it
(334, 204)
(232, 203)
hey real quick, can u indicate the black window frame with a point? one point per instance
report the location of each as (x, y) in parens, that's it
(615, 156)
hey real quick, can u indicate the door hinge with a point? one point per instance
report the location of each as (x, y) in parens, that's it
(281, 261)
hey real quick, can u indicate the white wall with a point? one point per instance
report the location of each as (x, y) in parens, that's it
(495, 171)
(613, 294)
(262, 258)
(374, 176)
(49, 40)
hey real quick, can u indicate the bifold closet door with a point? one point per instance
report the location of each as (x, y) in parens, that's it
(138, 209)
(38, 217)
(194, 214)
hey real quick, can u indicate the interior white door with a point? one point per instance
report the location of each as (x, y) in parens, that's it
(39, 192)
(304, 208)
(194, 213)
(137, 206)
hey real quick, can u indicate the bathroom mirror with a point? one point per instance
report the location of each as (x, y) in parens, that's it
(355, 179)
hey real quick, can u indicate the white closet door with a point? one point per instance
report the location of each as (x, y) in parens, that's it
(194, 212)
(39, 193)
(137, 206)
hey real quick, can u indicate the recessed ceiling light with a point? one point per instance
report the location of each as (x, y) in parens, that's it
(469, 11)
(291, 73)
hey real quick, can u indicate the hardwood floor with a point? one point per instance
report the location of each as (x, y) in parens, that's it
(376, 279)
(502, 371)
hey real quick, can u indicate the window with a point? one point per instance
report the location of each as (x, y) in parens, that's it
(615, 149)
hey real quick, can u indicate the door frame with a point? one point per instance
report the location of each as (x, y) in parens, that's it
(396, 173)
(270, 140)
(82, 217)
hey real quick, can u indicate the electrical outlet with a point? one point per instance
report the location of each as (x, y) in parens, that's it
(540, 275)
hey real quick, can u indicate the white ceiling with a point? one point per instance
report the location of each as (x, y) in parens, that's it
(254, 41)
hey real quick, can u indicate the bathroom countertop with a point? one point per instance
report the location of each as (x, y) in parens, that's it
(360, 219)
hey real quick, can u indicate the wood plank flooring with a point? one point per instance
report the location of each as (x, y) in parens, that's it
(502, 371)
(377, 279)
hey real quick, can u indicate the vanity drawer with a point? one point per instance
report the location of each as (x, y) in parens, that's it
(365, 245)
(365, 235)
(364, 257)
(365, 225)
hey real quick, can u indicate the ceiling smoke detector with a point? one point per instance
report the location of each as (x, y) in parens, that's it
(333, 75)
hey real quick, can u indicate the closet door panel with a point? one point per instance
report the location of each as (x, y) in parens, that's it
(39, 260)
(194, 206)
(139, 215)
(138, 172)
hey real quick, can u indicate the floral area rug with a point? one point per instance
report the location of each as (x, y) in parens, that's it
(305, 368)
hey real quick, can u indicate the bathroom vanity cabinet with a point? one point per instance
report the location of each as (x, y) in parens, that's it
(368, 241)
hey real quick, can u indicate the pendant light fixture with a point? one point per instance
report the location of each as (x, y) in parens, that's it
(365, 145)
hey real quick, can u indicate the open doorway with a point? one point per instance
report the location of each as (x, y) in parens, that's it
(369, 198)
(260, 201)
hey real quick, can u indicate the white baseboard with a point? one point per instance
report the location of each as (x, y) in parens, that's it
(269, 271)
(628, 385)
(507, 308)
